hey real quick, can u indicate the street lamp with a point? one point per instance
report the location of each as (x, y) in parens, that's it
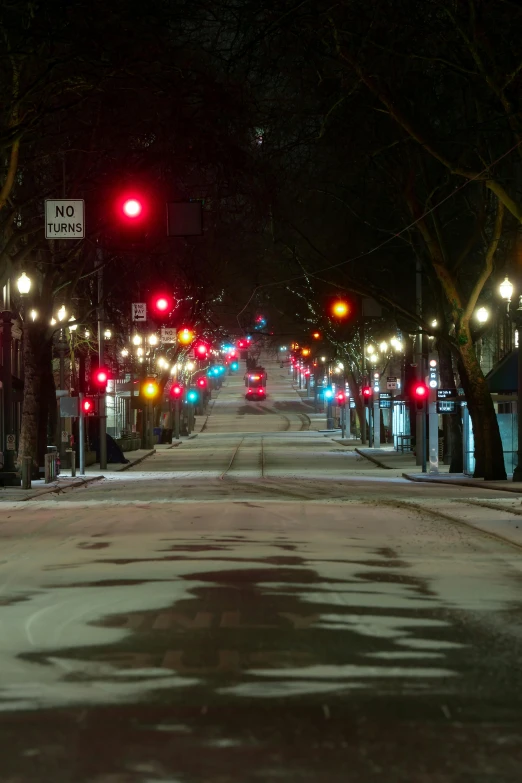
(33, 315)
(383, 347)
(24, 284)
(153, 339)
(62, 313)
(107, 334)
(136, 340)
(124, 353)
(72, 326)
(506, 292)
(482, 315)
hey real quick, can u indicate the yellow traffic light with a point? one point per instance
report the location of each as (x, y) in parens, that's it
(340, 309)
(306, 352)
(150, 389)
(185, 336)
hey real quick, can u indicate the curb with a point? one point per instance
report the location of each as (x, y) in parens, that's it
(57, 488)
(137, 461)
(476, 483)
(372, 459)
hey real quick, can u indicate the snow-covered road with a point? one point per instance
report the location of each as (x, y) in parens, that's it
(259, 607)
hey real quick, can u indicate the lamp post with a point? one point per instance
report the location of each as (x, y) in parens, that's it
(506, 292)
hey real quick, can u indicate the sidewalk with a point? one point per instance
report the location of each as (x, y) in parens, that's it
(39, 487)
(404, 464)
(66, 481)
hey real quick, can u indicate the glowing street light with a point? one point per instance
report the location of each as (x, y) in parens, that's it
(107, 334)
(506, 289)
(153, 339)
(33, 315)
(24, 284)
(124, 353)
(482, 315)
(383, 347)
(72, 327)
(136, 340)
(62, 313)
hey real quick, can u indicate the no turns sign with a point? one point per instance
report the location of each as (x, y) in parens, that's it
(64, 218)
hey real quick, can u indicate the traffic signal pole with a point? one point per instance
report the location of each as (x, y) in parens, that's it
(102, 412)
(81, 434)
(420, 423)
(177, 405)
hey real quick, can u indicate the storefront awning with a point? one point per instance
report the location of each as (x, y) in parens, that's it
(503, 378)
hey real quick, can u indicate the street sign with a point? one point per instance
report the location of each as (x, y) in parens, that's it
(391, 382)
(139, 311)
(68, 407)
(10, 442)
(447, 394)
(65, 436)
(446, 406)
(168, 335)
(64, 218)
(385, 400)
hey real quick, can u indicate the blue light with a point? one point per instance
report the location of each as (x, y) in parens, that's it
(234, 366)
(328, 394)
(192, 396)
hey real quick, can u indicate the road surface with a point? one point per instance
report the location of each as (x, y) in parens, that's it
(260, 604)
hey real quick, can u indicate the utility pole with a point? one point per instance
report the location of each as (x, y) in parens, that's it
(102, 412)
(363, 378)
(420, 423)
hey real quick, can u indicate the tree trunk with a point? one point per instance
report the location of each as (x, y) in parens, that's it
(489, 454)
(452, 422)
(359, 407)
(34, 359)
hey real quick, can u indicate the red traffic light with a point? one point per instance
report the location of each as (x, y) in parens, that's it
(101, 376)
(201, 351)
(367, 391)
(421, 394)
(88, 406)
(132, 208)
(176, 391)
(341, 397)
(202, 383)
(421, 391)
(162, 304)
